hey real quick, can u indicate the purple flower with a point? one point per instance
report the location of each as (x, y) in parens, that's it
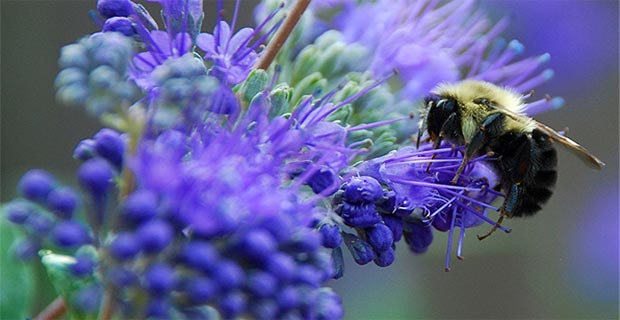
(231, 58)
(430, 44)
(230, 52)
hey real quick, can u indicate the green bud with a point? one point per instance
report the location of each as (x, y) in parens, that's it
(255, 83)
(305, 64)
(280, 100)
(309, 85)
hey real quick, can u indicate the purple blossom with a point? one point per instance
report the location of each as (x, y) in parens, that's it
(231, 58)
(430, 43)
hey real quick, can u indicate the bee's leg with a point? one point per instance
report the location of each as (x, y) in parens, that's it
(447, 126)
(518, 160)
(495, 227)
(490, 126)
(507, 208)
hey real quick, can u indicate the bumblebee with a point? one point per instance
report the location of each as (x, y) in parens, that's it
(488, 119)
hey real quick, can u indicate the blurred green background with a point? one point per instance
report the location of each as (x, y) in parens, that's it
(562, 263)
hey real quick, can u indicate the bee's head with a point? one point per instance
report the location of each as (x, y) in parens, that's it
(439, 109)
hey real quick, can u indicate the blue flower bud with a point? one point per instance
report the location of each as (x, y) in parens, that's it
(159, 279)
(394, 204)
(363, 189)
(27, 249)
(158, 308)
(154, 236)
(121, 277)
(110, 146)
(124, 246)
(85, 150)
(308, 275)
(331, 237)
(119, 24)
(384, 258)
(323, 179)
(69, 234)
(88, 299)
(262, 284)
(35, 185)
(18, 211)
(200, 289)
(395, 224)
(305, 240)
(232, 305)
(360, 250)
(83, 266)
(288, 298)
(281, 265)
(114, 8)
(418, 236)
(263, 309)
(200, 256)
(379, 237)
(63, 201)
(95, 176)
(140, 206)
(328, 305)
(359, 215)
(257, 245)
(278, 227)
(39, 223)
(443, 222)
(228, 275)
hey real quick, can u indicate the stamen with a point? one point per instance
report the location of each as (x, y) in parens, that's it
(354, 96)
(483, 217)
(398, 179)
(233, 23)
(543, 105)
(445, 205)
(459, 248)
(533, 82)
(450, 234)
(472, 200)
(322, 101)
(216, 32)
(377, 124)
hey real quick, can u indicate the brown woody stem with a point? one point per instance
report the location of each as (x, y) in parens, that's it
(282, 34)
(54, 310)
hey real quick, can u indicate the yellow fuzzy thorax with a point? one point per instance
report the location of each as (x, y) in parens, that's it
(473, 114)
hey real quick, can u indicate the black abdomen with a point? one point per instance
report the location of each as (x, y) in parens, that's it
(527, 168)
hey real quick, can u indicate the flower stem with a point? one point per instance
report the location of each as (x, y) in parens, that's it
(107, 305)
(283, 33)
(54, 310)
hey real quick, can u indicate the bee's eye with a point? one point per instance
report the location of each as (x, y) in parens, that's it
(482, 101)
(447, 105)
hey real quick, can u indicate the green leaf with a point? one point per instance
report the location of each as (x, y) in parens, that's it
(16, 278)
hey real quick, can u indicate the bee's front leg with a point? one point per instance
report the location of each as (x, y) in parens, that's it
(491, 126)
(448, 126)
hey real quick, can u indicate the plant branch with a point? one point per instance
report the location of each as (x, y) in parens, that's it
(54, 310)
(274, 46)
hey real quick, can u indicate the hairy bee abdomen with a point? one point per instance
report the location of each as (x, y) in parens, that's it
(531, 167)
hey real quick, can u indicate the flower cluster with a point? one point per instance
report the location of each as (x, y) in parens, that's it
(222, 190)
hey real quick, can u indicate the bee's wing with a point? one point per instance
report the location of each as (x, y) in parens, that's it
(573, 146)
